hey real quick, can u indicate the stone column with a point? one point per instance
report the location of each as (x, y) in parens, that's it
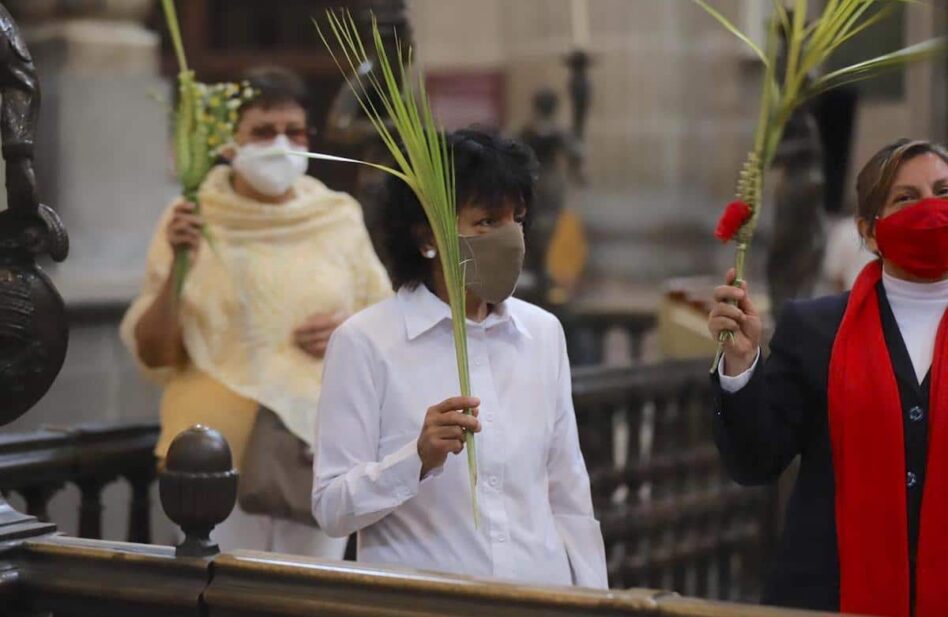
(102, 147)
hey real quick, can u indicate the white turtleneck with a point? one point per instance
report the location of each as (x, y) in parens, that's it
(918, 309)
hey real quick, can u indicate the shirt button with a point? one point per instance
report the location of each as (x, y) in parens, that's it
(492, 480)
(478, 362)
(916, 414)
(911, 479)
(501, 538)
(489, 417)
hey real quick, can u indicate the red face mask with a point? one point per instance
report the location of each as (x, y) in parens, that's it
(916, 238)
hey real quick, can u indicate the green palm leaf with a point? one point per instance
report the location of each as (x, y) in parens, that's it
(724, 21)
(808, 47)
(202, 122)
(397, 98)
(870, 68)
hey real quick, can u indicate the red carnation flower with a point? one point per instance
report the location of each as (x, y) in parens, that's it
(735, 215)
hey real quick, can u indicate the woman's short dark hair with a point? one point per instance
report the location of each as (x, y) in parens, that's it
(275, 87)
(490, 171)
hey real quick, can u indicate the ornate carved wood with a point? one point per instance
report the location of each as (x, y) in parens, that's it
(33, 328)
(198, 488)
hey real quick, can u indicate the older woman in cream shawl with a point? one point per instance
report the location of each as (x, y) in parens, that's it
(290, 259)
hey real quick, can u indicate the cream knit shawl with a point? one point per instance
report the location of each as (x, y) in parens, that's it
(271, 267)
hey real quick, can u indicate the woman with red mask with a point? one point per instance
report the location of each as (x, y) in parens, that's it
(857, 386)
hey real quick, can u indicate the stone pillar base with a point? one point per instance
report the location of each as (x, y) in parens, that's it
(94, 46)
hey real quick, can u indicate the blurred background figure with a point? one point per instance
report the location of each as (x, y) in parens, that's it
(846, 254)
(241, 350)
(799, 238)
(836, 113)
(799, 235)
(558, 151)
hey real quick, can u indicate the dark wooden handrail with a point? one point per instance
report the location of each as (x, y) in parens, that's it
(671, 518)
(690, 513)
(84, 578)
(660, 467)
(594, 384)
(586, 328)
(38, 464)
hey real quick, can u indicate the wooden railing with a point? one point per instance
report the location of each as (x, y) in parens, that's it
(38, 464)
(586, 330)
(83, 578)
(671, 519)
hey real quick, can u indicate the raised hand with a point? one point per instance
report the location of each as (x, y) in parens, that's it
(443, 430)
(734, 312)
(184, 228)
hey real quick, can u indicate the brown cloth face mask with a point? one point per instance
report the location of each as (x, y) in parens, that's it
(492, 262)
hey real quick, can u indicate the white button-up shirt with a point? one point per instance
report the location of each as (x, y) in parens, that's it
(384, 368)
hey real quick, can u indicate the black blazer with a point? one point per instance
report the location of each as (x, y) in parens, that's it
(782, 413)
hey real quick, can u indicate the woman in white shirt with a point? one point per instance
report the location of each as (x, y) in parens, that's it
(856, 386)
(389, 418)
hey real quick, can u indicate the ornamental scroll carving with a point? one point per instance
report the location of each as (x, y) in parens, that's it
(33, 326)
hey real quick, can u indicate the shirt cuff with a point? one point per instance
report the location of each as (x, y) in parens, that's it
(403, 469)
(585, 549)
(434, 473)
(732, 385)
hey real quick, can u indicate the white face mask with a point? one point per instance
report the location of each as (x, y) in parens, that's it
(267, 169)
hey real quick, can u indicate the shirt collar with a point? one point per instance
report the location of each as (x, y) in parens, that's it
(423, 310)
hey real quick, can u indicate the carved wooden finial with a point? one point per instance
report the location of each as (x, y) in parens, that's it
(198, 487)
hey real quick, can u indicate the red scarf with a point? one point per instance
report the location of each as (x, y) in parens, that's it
(865, 422)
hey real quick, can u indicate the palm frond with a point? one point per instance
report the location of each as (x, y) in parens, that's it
(171, 15)
(808, 47)
(397, 98)
(204, 119)
(724, 21)
(868, 69)
(878, 17)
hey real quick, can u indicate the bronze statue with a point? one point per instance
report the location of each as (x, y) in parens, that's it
(560, 153)
(556, 149)
(33, 329)
(580, 90)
